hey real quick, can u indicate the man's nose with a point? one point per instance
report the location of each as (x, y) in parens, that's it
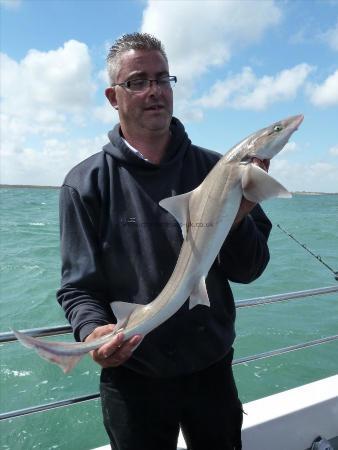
(154, 86)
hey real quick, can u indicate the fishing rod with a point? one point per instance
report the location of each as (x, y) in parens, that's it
(318, 257)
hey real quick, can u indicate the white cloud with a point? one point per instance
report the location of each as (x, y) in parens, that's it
(246, 91)
(48, 162)
(103, 77)
(42, 96)
(187, 111)
(11, 4)
(331, 37)
(43, 90)
(290, 147)
(315, 177)
(300, 37)
(106, 114)
(334, 150)
(325, 94)
(222, 92)
(200, 34)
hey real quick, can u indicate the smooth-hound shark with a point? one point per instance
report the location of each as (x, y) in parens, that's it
(206, 216)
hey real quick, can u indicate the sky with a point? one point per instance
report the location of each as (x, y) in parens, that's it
(241, 65)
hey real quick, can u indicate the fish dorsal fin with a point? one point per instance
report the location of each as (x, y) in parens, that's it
(258, 185)
(199, 295)
(178, 206)
(123, 310)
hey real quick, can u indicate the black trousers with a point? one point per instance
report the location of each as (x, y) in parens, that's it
(142, 413)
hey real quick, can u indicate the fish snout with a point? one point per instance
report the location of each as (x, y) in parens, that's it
(298, 120)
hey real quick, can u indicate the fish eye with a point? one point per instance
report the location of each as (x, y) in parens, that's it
(277, 128)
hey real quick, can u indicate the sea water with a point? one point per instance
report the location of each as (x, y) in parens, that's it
(30, 275)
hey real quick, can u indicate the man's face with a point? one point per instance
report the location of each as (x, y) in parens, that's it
(149, 110)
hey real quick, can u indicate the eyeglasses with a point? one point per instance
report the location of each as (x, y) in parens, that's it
(139, 85)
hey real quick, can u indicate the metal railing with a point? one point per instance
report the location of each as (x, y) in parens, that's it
(283, 297)
(57, 330)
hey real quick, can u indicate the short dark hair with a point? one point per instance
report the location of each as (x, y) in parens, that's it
(132, 41)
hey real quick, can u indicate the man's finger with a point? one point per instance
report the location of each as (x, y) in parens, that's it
(110, 347)
(122, 353)
(125, 349)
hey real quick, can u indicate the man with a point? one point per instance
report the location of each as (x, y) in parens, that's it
(119, 244)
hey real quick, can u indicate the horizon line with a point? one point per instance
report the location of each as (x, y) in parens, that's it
(42, 186)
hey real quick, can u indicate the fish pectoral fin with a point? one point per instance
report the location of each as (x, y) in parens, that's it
(258, 185)
(123, 310)
(178, 206)
(199, 295)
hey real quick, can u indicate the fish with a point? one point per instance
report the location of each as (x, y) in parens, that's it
(205, 215)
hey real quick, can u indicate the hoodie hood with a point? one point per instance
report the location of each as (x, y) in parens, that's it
(178, 144)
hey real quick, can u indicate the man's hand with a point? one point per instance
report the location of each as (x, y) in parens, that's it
(115, 352)
(246, 206)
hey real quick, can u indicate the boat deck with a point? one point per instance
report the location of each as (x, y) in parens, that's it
(289, 420)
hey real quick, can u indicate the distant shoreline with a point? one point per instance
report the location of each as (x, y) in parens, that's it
(313, 193)
(34, 186)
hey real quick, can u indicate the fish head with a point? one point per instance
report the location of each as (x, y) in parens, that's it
(266, 143)
(262, 145)
(269, 141)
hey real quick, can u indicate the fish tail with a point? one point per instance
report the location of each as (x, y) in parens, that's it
(49, 351)
(66, 362)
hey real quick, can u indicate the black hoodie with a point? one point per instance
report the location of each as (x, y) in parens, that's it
(117, 243)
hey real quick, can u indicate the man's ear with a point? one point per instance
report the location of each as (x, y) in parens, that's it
(111, 96)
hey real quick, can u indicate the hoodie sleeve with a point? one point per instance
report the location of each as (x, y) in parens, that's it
(245, 253)
(83, 289)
